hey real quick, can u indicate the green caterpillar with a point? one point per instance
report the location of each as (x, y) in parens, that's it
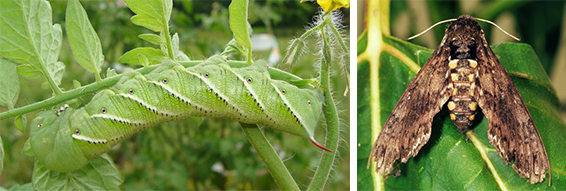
(66, 142)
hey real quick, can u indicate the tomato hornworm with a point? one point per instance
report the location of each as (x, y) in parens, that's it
(65, 140)
(463, 73)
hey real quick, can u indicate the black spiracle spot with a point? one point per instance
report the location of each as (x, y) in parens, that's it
(40, 125)
(206, 75)
(309, 102)
(164, 81)
(103, 110)
(131, 91)
(249, 80)
(283, 92)
(77, 132)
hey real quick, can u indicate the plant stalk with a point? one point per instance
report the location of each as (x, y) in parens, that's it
(276, 168)
(332, 119)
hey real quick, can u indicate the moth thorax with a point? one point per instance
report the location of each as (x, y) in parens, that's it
(463, 49)
(462, 104)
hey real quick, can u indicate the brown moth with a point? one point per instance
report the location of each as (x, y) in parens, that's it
(464, 73)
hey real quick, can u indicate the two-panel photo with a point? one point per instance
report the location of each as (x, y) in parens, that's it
(282, 95)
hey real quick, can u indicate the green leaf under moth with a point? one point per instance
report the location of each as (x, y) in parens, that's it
(154, 56)
(83, 39)
(151, 14)
(449, 160)
(238, 10)
(9, 84)
(99, 174)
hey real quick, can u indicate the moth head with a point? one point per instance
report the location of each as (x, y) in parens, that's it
(462, 36)
(463, 27)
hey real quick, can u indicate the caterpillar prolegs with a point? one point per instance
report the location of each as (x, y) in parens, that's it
(171, 92)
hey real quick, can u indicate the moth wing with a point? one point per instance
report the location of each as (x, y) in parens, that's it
(511, 127)
(408, 127)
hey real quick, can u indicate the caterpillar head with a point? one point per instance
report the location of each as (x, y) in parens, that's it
(306, 107)
(52, 144)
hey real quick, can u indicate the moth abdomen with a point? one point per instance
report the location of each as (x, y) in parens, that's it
(462, 103)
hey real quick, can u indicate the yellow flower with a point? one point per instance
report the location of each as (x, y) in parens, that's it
(331, 5)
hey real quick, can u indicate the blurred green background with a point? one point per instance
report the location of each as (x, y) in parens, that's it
(214, 154)
(541, 24)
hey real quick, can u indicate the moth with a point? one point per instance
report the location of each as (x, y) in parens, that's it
(463, 73)
(65, 140)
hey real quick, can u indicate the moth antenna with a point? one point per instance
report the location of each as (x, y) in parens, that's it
(487, 21)
(319, 145)
(444, 21)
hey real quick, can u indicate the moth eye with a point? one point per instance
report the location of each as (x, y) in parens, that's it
(131, 91)
(103, 110)
(309, 102)
(77, 132)
(164, 81)
(206, 75)
(283, 91)
(249, 80)
(40, 125)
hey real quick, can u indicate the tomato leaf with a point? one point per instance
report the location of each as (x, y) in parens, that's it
(83, 39)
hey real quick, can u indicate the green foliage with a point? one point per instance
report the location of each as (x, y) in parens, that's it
(31, 37)
(169, 157)
(21, 122)
(100, 174)
(152, 38)
(153, 15)
(154, 56)
(83, 39)
(9, 84)
(239, 23)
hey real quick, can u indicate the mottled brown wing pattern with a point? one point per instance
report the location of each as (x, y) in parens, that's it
(408, 127)
(511, 128)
